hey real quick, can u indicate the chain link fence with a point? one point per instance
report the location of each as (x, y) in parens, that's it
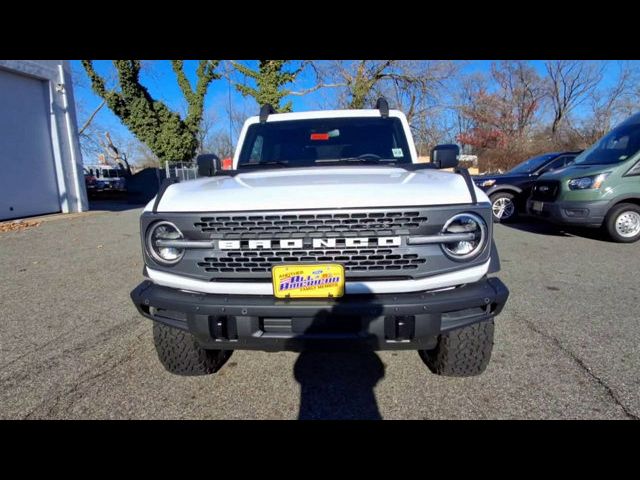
(181, 170)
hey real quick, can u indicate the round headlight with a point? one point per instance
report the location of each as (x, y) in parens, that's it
(465, 223)
(159, 233)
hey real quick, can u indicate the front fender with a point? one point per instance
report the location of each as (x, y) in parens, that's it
(505, 188)
(621, 197)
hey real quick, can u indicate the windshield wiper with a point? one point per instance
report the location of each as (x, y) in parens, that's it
(380, 161)
(264, 164)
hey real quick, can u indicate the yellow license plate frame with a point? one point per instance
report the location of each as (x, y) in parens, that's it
(322, 280)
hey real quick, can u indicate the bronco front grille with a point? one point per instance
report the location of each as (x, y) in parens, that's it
(354, 260)
(372, 256)
(312, 225)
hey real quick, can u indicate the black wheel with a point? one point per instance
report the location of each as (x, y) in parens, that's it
(179, 352)
(503, 206)
(461, 353)
(623, 223)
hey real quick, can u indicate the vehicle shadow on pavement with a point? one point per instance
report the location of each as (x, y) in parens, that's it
(339, 384)
(540, 227)
(112, 205)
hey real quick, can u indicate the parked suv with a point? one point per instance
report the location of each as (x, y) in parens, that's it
(327, 233)
(601, 188)
(508, 191)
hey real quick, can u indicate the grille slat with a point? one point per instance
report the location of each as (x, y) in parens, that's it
(338, 225)
(353, 260)
(378, 223)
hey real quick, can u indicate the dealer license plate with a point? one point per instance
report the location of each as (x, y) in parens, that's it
(537, 206)
(308, 281)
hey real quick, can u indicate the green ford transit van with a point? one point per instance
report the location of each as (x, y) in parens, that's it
(600, 189)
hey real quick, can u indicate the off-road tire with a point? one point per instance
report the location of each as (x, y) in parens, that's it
(513, 200)
(612, 216)
(464, 352)
(179, 352)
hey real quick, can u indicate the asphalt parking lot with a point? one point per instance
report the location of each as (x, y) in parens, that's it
(73, 346)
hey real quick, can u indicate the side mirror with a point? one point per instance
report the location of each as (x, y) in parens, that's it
(445, 156)
(208, 164)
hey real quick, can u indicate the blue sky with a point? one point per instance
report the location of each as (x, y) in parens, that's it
(160, 80)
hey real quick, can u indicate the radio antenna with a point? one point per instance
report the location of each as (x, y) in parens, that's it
(229, 92)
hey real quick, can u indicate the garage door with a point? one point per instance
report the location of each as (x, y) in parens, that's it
(27, 171)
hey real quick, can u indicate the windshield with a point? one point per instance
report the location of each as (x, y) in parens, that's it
(111, 173)
(617, 146)
(325, 141)
(533, 164)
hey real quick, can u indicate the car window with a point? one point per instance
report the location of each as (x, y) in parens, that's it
(635, 170)
(532, 164)
(558, 163)
(256, 151)
(325, 140)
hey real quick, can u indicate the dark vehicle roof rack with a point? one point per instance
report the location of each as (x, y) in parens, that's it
(383, 106)
(265, 111)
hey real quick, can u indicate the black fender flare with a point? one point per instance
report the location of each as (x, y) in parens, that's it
(503, 187)
(494, 264)
(622, 198)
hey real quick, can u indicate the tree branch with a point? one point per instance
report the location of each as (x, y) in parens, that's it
(317, 87)
(183, 82)
(206, 74)
(91, 117)
(151, 120)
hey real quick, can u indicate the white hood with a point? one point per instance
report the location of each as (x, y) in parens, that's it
(317, 188)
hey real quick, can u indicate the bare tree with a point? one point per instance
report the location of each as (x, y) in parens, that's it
(497, 114)
(118, 156)
(140, 154)
(220, 143)
(507, 111)
(417, 87)
(609, 105)
(87, 122)
(357, 78)
(569, 83)
(215, 138)
(521, 91)
(222, 123)
(414, 86)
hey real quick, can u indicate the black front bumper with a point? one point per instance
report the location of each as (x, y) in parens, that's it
(380, 322)
(586, 213)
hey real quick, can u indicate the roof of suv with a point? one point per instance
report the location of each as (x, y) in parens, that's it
(279, 117)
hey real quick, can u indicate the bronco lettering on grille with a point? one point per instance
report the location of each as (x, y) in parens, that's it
(317, 243)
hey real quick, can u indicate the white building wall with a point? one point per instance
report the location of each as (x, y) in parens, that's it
(62, 127)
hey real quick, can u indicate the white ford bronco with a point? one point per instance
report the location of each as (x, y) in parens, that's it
(325, 233)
